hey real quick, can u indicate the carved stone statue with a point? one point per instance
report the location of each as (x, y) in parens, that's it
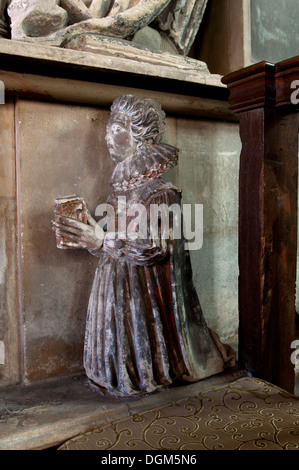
(176, 22)
(145, 328)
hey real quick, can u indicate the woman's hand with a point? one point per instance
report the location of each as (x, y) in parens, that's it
(78, 234)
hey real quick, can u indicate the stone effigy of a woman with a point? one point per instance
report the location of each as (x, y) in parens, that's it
(145, 328)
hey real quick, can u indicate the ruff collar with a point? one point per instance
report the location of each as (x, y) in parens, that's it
(143, 166)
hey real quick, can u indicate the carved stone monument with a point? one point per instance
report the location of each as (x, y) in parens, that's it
(165, 25)
(145, 328)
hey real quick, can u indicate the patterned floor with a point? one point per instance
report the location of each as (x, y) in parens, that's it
(248, 414)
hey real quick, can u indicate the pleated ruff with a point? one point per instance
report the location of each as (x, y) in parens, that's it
(131, 342)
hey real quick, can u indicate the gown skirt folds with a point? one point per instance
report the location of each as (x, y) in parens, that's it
(145, 328)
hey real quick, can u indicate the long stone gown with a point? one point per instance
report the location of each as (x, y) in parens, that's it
(145, 327)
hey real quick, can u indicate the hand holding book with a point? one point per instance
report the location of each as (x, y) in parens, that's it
(74, 226)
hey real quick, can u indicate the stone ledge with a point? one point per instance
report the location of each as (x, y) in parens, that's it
(183, 86)
(48, 413)
(117, 56)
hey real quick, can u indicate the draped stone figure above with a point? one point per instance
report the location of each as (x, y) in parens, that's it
(169, 25)
(145, 328)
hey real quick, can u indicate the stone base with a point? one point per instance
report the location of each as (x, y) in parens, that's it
(114, 55)
(48, 413)
(182, 85)
(122, 49)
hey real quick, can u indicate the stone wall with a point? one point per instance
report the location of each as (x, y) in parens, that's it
(208, 174)
(274, 30)
(9, 308)
(239, 33)
(60, 150)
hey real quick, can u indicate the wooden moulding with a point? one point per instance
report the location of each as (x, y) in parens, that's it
(253, 87)
(261, 94)
(263, 84)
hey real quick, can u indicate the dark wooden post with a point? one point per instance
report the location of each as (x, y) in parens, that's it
(261, 94)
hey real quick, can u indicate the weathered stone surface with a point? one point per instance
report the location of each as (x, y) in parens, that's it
(17, 10)
(123, 24)
(10, 366)
(49, 412)
(9, 313)
(99, 8)
(76, 9)
(150, 38)
(274, 30)
(46, 18)
(117, 55)
(181, 21)
(118, 6)
(208, 175)
(61, 153)
(7, 150)
(135, 53)
(176, 22)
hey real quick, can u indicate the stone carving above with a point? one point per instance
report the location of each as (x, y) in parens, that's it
(145, 328)
(180, 21)
(163, 25)
(45, 18)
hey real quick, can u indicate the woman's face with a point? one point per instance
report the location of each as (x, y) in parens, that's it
(120, 142)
